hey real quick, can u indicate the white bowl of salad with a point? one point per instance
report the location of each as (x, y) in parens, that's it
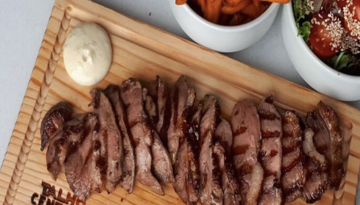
(322, 38)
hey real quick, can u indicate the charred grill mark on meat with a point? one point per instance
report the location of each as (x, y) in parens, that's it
(210, 188)
(223, 134)
(131, 94)
(158, 93)
(128, 164)
(293, 167)
(193, 137)
(271, 152)
(317, 179)
(81, 169)
(245, 125)
(328, 140)
(61, 144)
(182, 98)
(161, 163)
(222, 150)
(181, 135)
(54, 121)
(111, 139)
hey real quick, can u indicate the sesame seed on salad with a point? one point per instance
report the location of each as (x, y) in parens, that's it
(331, 28)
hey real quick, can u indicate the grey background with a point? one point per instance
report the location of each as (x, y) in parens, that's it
(22, 26)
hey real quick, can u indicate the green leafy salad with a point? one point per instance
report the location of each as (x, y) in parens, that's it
(331, 28)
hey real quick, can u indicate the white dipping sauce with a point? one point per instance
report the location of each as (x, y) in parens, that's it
(87, 54)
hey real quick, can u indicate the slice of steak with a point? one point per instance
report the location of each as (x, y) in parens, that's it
(328, 140)
(193, 182)
(54, 121)
(181, 172)
(271, 151)
(158, 93)
(110, 138)
(161, 163)
(182, 138)
(223, 134)
(59, 145)
(293, 167)
(194, 127)
(182, 99)
(132, 96)
(192, 134)
(210, 188)
(82, 173)
(317, 179)
(245, 125)
(224, 139)
(128, 164)
(229, 183)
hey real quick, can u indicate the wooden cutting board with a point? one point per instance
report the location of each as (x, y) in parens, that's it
(142, 51)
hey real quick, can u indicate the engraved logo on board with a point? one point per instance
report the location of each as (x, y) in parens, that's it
(52, 196)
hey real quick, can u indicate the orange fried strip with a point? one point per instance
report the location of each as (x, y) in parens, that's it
(224, 19)
(237, 19)
(231, 2)
(180, 2)
(251, 11)
(226, 9)
(278, 1)
(202, 4)
(256, 3)
(212, 10)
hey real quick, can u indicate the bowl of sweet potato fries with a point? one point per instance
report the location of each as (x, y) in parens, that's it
(226, 25)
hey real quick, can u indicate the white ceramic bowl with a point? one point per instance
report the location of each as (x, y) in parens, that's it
(316, 73)
(223, 38)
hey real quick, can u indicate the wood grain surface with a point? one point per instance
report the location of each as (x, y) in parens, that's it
(142, 51)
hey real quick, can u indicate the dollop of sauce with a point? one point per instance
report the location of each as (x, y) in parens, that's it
(87, 54)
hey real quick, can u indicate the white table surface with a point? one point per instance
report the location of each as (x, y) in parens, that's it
(23, 23)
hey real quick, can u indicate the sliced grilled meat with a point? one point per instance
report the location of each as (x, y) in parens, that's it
(81, 169)
(181, 171)
(328, 140)
(222, 149)
(193, 182)
(182, 138)
(223, 134)
(271, 151)
(317, 179)
(150, 108)
(111, 139)
(58, 145)
(128, 164)
(293, 167)
(54, 121)
(161, 163)
(194, 129)
(182, 99)
(192, 136)
(131, 94)
(210, 188)
(224, 139)
(245, 148)
(158, 93)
